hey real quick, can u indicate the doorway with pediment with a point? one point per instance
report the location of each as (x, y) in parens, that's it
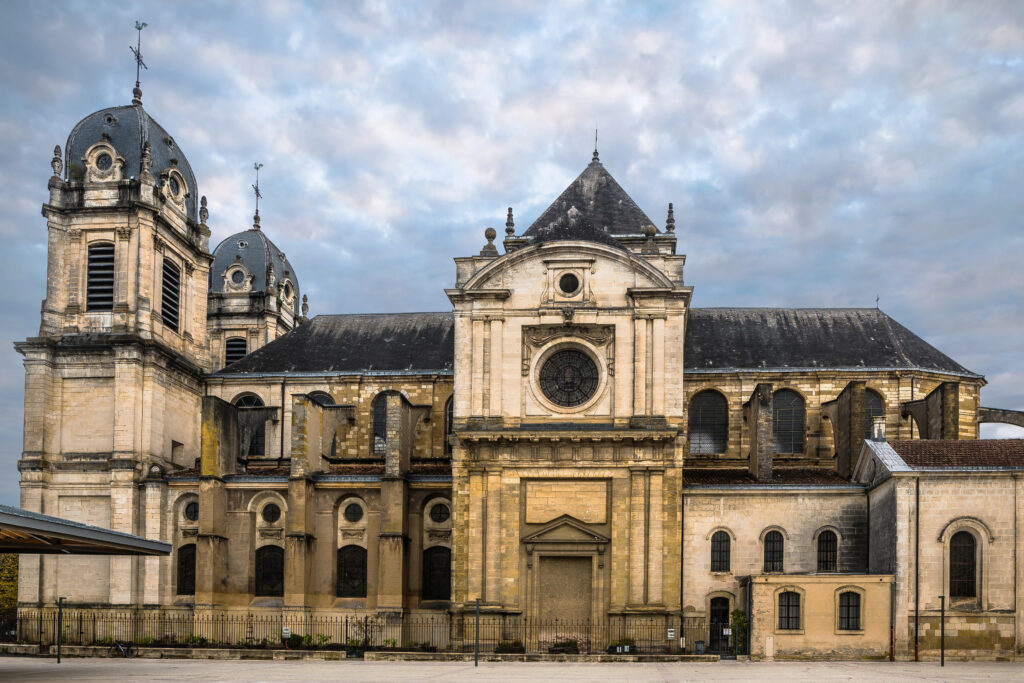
(565, 572)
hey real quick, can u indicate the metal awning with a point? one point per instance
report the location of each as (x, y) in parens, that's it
(22, 531)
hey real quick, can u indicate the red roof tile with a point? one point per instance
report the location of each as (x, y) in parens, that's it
(948, 453)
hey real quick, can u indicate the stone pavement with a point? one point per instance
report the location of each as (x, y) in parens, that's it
(152, 670)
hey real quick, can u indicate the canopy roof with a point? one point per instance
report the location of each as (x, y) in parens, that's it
(22, 531)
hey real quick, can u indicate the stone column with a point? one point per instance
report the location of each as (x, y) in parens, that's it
(494, 390)
(492, 546)
(477, 388)
(658, 366)
(758, 411)
(154, 500)
(123, 504)
(639, 366)
(393, 573)
(638, 536)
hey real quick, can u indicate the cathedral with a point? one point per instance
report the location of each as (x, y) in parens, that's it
(569, 440)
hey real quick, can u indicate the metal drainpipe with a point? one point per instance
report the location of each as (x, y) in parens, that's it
(917, 562)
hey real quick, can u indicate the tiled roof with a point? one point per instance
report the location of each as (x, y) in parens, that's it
(942, 453)
(780, 477)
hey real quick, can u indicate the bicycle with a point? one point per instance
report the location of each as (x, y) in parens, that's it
(126, 650)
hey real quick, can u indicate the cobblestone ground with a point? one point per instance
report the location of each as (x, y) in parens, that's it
(149, 670)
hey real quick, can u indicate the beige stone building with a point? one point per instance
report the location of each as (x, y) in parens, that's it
(571, 440)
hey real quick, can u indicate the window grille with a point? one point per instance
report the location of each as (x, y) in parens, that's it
(788, 422)
(437, 573)
(170, 295)
(380, 424)
(352, 572)
(789, 611)
(828, 551)
(99, 289)
(270, 571)
(709, 423)
(773, 552)
(720, 551)
(962, 566)
(235, 348)
(257, 445)
(872, 409)
(849, 611)
(187, 569)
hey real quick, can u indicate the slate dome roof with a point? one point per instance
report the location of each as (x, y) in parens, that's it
(128, 128)
(254, 250)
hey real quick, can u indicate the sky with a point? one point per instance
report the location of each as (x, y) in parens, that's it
(819, 154)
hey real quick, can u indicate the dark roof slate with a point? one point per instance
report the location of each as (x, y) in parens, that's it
(721, 339)
(593, 204)
(258, 254)
(359, 343)
(780, 477)
(943, 453)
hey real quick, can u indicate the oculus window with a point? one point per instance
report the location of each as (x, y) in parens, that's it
(569, 378)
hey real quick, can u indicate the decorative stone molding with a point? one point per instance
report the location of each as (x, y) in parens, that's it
(124, 233)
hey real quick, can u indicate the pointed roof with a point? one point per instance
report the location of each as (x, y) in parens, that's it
(593, 203)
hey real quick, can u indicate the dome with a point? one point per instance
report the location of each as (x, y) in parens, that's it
(249, 262)
(127, 129)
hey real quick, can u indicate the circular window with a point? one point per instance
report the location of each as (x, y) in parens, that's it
(440, 513)
(192, 511)
(237, 277)
(271, 513)
(173, 184)
(353, 512)
(569, 378)
(104, 162)
(569, 283)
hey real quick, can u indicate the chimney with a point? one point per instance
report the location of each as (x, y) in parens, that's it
(878, 428)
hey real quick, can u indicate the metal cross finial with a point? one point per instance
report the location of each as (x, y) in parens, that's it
(256, 189)
(877, 299)
(139, 64)
(595, 144)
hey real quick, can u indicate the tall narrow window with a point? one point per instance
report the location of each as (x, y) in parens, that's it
(352, 571)
(773, 551)
(448, 419)
(437, 573)
(709, 423)
(720, 552)
(963, 570)
(849, 611)
(788, 422)
(258, 439)
(235, 348)
(872, 409)
(187, 569)
(789, 611)
(171, 295)
(99, 288)
(380, 424)
(828, 551)
(270, 571)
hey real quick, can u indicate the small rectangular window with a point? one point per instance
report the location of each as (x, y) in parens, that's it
(849, 611)
(171, 295)
(235, 348)
(99, 288)
(789, 611)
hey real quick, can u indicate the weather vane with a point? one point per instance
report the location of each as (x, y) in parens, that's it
(256, 189)
(139, 64)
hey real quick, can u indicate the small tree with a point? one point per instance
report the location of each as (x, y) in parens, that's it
(8, 582)
(739, 631)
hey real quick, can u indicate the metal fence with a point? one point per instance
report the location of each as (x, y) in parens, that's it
(631, 634)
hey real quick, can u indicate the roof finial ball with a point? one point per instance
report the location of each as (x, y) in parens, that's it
(510, 225)
(649, 246)
(204, 213)
(489, 248)
(670, 222)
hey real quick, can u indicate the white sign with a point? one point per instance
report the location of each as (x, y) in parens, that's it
(671, 634)
(726, 631)
(286, 632)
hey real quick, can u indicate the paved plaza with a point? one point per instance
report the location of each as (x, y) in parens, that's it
(47, 669)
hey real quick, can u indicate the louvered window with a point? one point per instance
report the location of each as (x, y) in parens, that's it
(171, 297)
(849, 611)
(962, 566)
(720, 542)
(709, 423)
(234, 349)
(773, 552)
(872, 409)
(99, 290)
(788, 422)
(828, 551)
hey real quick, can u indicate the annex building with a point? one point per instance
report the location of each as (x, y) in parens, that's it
(569, 440)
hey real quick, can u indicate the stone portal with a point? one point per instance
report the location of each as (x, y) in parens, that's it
(566, 588)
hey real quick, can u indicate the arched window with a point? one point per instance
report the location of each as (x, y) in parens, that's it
(773, 551)
(270, 571)
(99, 288)
(789, 610)
(828, 551)
(380, 424)
(187, 569)
(788, 422)
(352, 571)
(170, 295)
(849, 611)
(235, 348)
(963, 568)
(709, 422)
(322, 397)
(257, 445)
(437, 573)
(448, 423)
(873, 408)
(720, 551)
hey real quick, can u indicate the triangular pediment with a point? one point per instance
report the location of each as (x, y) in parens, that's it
(566, 529)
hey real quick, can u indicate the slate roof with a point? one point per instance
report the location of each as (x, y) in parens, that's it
(382, 343)
(780, 477)
(257, 254)
(726, 339)
(717, 340)
(129, 127)
(594, 205)
(945, 454)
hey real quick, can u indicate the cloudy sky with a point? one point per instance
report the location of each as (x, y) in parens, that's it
(818, 153)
